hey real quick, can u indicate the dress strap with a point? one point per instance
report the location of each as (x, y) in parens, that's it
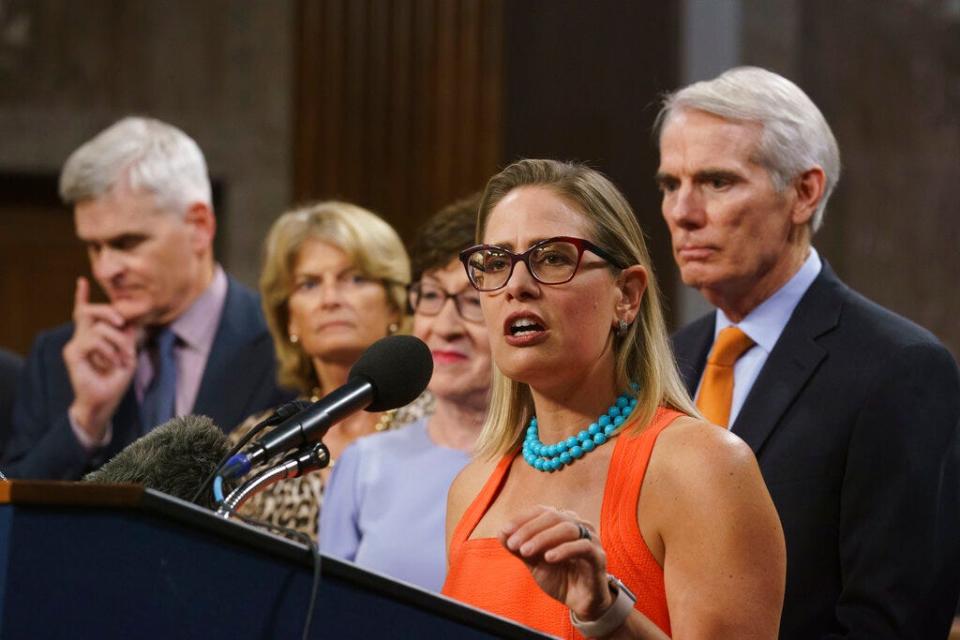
(630, 459)
(628, 468)
(474, 513)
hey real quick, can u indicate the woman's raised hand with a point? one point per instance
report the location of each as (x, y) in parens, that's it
(564, 555)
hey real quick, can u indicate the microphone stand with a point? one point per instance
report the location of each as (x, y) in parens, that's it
(309, 458)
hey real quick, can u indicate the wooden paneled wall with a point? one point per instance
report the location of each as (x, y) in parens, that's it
(398, 103)
(40, 259)
(888, 82)
(582, 81)
(221, 70)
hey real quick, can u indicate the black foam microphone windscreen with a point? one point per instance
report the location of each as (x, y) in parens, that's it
(174, 458)
(399, 367)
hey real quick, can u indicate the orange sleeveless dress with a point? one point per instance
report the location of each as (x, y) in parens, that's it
(485, 575)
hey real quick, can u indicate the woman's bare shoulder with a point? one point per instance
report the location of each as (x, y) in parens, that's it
(700, 460)
(707, 486)
(465, 488)
(471, 478)
(693, 441)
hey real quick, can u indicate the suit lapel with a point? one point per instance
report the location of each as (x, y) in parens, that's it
(794, 358)
(127, 424)
(227, 371)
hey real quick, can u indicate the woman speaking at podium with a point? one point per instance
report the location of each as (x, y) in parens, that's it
(600, 505)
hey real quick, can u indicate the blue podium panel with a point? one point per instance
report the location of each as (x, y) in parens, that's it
(152, 566)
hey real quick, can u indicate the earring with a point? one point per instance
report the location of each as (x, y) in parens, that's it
(622, 328)
(294, 338)
(392, 328)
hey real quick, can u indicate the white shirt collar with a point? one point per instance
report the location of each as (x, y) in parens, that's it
(765, 323)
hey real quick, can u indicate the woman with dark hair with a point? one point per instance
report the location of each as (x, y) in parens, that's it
(593, 459)
(384, 507)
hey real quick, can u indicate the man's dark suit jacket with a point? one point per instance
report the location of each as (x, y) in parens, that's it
(853, 420)
(239, 380)
(10, 367)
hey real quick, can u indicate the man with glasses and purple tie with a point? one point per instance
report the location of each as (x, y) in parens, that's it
(850, 409)
(176, 335)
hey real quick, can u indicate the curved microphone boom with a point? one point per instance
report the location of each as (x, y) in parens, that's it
(279, 414)
(391, 373)
(311, 457)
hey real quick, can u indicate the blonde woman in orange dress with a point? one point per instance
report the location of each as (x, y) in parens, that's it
(600, 504)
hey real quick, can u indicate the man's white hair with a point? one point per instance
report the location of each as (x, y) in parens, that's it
(795, 134)
(148, 156)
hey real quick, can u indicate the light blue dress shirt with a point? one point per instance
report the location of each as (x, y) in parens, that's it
(764, 326)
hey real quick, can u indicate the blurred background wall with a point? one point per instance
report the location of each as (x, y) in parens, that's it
(222, 70)
(403, 105)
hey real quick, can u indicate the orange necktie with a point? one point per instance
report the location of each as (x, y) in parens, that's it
(716, 387)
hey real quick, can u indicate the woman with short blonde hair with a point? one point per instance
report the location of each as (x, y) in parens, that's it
(371, 244)
(333, 282)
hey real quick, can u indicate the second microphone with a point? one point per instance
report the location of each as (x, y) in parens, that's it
(391, 373)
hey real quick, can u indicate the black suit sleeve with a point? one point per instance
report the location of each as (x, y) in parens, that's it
(10, 367)
(899, 514)
(42, 444)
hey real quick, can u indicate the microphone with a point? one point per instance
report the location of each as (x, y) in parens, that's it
(285, 411)
(173, 458)
(391, 373)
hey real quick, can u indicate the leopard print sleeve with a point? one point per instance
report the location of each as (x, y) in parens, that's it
(294, 503)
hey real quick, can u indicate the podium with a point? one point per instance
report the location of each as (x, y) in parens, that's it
(120, 561)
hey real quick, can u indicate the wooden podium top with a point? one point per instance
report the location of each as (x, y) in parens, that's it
(70, 493)
(56, 493)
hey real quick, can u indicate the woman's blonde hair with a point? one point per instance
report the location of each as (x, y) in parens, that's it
(373, 246)
(643, 354)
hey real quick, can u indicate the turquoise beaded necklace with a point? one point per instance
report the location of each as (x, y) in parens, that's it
(553, 457)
